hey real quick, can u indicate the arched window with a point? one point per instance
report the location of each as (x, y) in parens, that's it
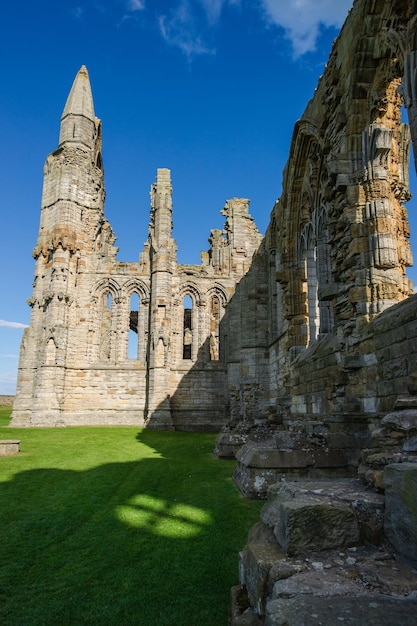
(312, 284)
(50, 353)
(133, 340)
(187, 342)
(315, 254)
(214, 328)
(105, 334)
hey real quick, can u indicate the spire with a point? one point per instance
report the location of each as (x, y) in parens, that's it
(78, 122)
(80, 99)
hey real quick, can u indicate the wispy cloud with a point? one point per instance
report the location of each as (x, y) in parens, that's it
(182, 28)
(9, 356)
(78, 12)
(136, 5)
(213, 9)
(303, 19)
(12, 324)
(8, 381)
(188, 25)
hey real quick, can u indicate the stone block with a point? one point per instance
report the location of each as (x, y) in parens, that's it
(315, 523)
(256, 560)
(400, 523)
(227, 444)
(260, 456)
(404, 420)
(9, 447)
(372, 610)
(367, 506)
(241, 613)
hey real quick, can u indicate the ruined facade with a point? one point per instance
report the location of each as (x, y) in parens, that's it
(334, 330)
(123, 343)
(296, 344)
(310, 371)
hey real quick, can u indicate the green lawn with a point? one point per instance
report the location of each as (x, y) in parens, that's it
(116, 526)
(5, 412)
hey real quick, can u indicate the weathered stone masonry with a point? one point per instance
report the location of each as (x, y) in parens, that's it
(285, 331)
(75, 366)
(302, 345)
(335, 254)
(331, 441)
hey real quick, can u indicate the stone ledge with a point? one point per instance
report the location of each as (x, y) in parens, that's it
(260, 465)
(9, 447)
(373, 610)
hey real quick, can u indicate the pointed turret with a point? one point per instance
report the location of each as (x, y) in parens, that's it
(78, 122)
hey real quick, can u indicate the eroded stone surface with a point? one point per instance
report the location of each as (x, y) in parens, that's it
(372, 611)
(401, 508)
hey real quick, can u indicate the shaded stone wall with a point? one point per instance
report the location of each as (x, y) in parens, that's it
(337, 247)
(333, 385)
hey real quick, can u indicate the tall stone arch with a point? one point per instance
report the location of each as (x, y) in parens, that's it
(134, 320)
(104, 324)
(188, 332)
(216, 298)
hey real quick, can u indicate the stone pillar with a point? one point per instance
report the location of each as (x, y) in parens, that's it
(163, 261)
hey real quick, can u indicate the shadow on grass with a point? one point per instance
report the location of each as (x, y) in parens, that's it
(152, 541)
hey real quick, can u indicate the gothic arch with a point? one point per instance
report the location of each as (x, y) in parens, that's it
(103, 330)
(295, 268)
(134, 320)
(216, 298)
(219, 291)
(188, 322)
(107, 285)
(190, 289)
(135, 285)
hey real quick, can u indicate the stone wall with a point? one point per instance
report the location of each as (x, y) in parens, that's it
(342, 359)
(6, 400)
(303, 320)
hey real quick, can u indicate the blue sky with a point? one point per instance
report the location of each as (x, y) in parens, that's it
(210, 89)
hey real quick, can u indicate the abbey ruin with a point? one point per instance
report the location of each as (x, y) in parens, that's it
(300, 347)
(75, 364)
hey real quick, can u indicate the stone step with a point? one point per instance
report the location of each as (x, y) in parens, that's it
(273, 584)
(321, 544)
(323, 514)
(372, 610)
(260, 465)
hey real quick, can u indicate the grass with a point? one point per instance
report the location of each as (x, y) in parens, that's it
(5, 412)
(111, 525)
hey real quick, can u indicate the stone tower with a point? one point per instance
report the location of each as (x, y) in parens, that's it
(76, 365)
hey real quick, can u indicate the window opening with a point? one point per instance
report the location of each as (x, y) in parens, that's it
(187, 328)
(106, 325)
(214, 328)
(133, 337)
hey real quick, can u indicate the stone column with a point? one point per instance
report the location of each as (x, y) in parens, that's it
(163, 260)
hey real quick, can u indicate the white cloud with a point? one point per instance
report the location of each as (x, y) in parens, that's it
(302, 19)
(212, 9)
(188, 25)
(12, 324)
(182, 30)
(136, 5)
